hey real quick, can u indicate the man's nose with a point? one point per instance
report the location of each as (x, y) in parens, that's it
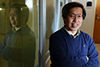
(75, 19)
(12, 17)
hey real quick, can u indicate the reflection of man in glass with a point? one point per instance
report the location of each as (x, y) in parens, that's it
(18, 46)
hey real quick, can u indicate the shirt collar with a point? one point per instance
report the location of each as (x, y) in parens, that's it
(71, 34)
(18, 28)
(15, 30)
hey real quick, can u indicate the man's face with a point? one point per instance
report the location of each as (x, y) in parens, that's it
(74, 19)
(14, 18)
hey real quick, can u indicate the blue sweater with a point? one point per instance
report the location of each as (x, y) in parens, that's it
(67, 51)
(18, 48)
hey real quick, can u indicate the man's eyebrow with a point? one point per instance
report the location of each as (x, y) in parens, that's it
(76, 14)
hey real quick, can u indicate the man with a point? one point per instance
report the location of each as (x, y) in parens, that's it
(69, 46)
(18, 46)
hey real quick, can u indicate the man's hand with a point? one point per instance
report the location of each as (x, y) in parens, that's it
(87, 58)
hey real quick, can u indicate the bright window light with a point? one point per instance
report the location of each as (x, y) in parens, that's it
(29, 3)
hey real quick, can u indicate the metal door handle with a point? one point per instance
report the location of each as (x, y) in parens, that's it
(97, 17)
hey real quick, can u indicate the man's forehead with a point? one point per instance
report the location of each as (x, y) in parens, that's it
(14, 10)
(76, 10)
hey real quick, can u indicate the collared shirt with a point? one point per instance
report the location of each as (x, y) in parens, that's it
(78, 32)
(15, 30)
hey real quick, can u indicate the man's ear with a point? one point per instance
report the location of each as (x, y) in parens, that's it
(64, 20)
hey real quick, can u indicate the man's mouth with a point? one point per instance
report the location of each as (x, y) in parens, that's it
(74, 25)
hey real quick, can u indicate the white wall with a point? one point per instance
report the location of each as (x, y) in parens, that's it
(88, 23)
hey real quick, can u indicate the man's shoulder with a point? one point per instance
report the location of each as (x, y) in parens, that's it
(10, 31)
(86, 35)
(58, 33)
(83, 33)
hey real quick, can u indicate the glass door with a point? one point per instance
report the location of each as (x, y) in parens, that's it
(19, 38)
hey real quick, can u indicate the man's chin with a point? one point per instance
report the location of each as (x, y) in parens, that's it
(74, 29)
(15, 26)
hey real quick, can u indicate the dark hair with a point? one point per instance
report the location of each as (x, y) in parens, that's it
(67, 7)
(22, 9)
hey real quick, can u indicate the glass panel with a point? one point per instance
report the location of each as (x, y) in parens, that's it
(19, 33)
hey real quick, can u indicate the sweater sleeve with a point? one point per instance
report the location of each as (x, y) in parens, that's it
(92, 55)
(2, 45)
(57, 52)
